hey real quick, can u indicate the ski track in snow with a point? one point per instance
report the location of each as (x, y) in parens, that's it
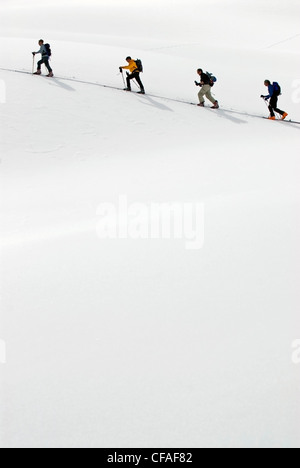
(43, 151)
(165, 98)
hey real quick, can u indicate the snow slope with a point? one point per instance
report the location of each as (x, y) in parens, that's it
(142, 343)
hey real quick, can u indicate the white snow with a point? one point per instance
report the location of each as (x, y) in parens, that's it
(142, 343)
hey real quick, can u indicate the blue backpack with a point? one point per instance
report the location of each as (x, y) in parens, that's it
(212, 78)
(48, 50)
(277, 88)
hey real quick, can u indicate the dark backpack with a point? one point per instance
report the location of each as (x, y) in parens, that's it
(277, 88)
(139, 65)
(48, 50)
(212, 78)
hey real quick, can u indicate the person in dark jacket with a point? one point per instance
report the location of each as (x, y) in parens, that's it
(274, 93)
(44, 60)
(205, 85)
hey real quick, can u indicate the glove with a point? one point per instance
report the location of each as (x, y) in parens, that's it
(33, 53)
(262, 96)
(121, 69)
(197, 84)
(266, 98)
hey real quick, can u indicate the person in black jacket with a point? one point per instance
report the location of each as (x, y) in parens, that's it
(206, 86)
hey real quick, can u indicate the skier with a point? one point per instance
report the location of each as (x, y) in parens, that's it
(134, 74)
(205, 90)
(45, 59)
(274, 93)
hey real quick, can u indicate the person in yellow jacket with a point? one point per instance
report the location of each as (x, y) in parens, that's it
(134, 75)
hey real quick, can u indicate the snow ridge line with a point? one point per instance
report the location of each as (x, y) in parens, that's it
(75, 80)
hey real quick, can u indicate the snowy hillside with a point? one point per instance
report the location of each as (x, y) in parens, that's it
(143, 342)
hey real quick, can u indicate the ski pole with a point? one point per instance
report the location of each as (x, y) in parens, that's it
(33, 64)
(278, 115)
(123, 79)
(266, 104)
(136, 84)
(128, 74)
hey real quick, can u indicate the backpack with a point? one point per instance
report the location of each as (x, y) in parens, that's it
(277, 88)
(139, 65)
(212, 79)
(48, 49)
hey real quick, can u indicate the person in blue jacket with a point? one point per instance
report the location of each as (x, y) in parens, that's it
(274, 93)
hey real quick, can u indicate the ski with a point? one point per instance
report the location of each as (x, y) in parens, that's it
(134, 92)
(285, 120)
(43, 76)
